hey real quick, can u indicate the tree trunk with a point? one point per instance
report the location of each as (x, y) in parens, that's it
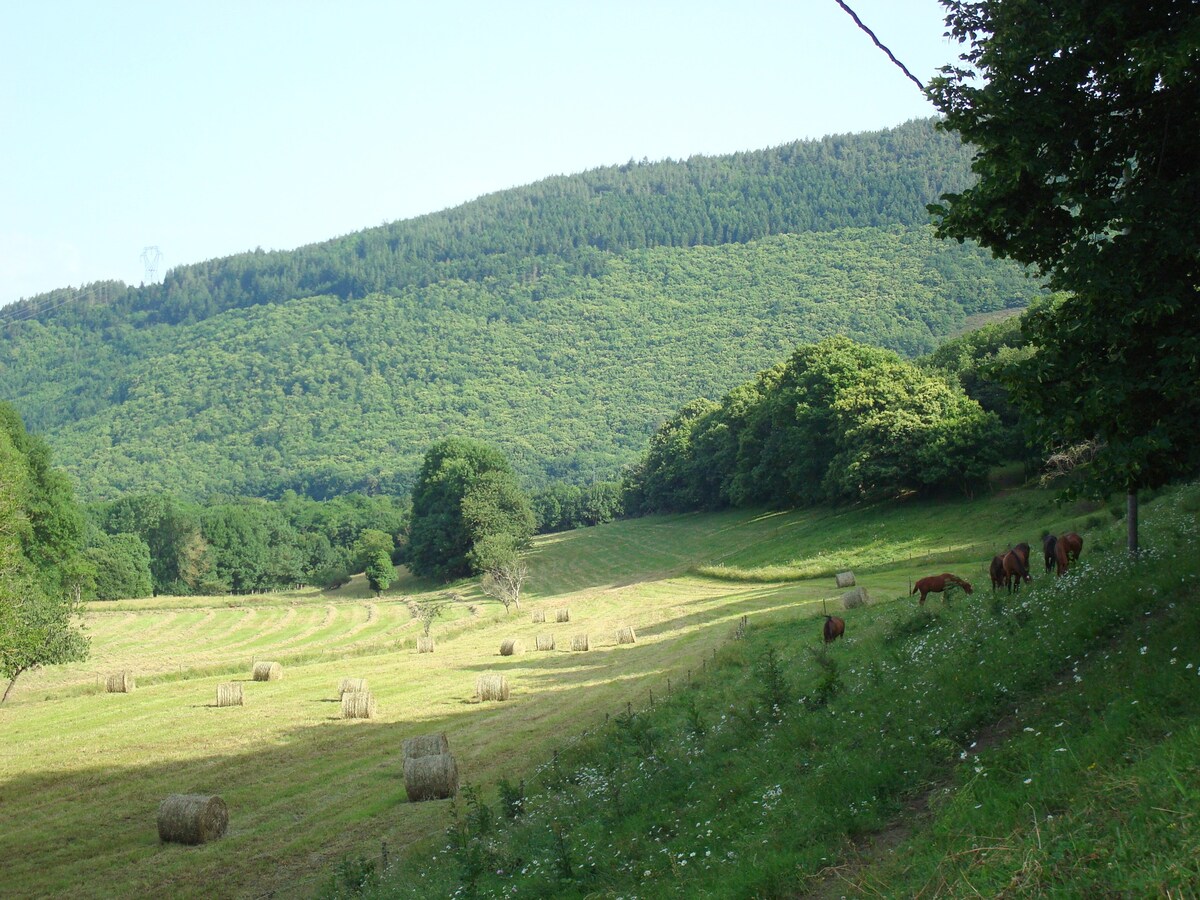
(1131, 521)
(11, 682)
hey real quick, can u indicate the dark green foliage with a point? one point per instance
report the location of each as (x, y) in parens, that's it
(840, 421)
(1084, 117)
(239, 544)
(561, 507)
(379, 573)
(42, 571)
(120, 567)
(551, 319)
(467, 509)
(250, 546)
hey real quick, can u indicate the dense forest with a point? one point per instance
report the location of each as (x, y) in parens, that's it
(843, 181)
(839, 421)
(562, 322)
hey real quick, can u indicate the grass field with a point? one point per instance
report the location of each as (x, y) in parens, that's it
(82, 771)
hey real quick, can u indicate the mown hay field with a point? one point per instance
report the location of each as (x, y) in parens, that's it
(83, 771)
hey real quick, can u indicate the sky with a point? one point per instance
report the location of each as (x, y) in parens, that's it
(210, 128)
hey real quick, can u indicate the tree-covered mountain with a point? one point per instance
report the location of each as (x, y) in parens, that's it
(561, 322)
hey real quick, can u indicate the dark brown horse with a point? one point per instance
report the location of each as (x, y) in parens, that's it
(1023, 549)
(997, 572)
(1049, 542)
(936, 584)
(1067, 550)
(834, 628)
(1015, 570)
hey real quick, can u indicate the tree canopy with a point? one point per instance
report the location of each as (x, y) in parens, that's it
(1083, 115)
(468, 512)
(41, 566)
(838, 421)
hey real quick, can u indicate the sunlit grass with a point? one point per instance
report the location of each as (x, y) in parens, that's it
(83, 771)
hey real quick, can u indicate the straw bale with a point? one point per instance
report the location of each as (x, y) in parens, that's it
(562, 615)
(268, 671)
(539, 617)
(432, 777)
(424, 643)
(844, 579)
(229, 694)
(358, 705)
(626, 635)
(545, 642)
(492, 687)
(352, 684)
(580, 642)
(120, 683)
(511, 647)
(426, 745)
(855, 598)
(192, 818)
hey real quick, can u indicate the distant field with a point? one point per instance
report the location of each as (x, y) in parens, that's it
(82, 771)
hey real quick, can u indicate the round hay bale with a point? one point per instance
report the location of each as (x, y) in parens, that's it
(545, 641)
(426, 745)
(230, 694)
(192, 818)
(511, 647)
(432, 777)
(491, 687)
(562, 615)
(855, 598)
(844, 579)
(352, 684)
(539, 617)
(626, 635)
(580, 642)
(268, 671)
(425, 643)
(358, 705)
(120, 683)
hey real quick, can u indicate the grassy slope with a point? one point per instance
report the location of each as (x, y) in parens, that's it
(306, 788)
(1039, 745)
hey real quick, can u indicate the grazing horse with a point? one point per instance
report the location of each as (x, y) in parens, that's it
(997, 572)
(1023, 549)
(1015, 571)
(936, 584)
(1049, 543)
(1068, 548)
(834, 628)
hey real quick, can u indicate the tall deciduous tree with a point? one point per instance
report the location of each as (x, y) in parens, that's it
(467, 509)
(1084, 115)
(41, 539)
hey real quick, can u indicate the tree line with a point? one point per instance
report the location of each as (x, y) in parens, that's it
(581, 221)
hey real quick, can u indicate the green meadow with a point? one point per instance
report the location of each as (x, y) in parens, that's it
(82, 771)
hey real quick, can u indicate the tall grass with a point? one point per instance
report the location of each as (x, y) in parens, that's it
(1036, 728)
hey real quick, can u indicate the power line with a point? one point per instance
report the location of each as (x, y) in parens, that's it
(879, 44)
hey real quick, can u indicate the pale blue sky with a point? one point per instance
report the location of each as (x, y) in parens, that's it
(209, 128)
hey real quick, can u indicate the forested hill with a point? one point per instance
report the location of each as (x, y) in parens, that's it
(518, 319)
(843, 181)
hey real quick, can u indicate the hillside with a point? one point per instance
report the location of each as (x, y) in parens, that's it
(332, 368)
(913, 690)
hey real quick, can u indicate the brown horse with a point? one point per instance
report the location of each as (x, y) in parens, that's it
(1067, 550)
(997, 572)
(1023, 549)
(936, 584)
(834, 628)
(1015, 570)
(1049, 542)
